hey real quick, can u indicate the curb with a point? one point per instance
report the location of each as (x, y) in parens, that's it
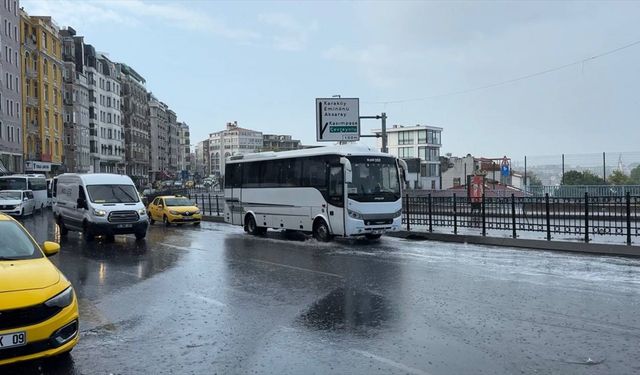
(574, 247)
(213, 219)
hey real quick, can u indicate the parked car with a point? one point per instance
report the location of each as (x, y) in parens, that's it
(172, 209)
(99, 204)
(38, 307)
(17, 202)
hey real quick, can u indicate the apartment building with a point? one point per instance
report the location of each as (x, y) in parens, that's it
(75, 104)
(417, 142)
(234, 140)
(11, 132)
(42, 114)
(136, 124)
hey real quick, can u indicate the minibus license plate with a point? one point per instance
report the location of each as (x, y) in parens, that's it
(14, 339)
(125, 225)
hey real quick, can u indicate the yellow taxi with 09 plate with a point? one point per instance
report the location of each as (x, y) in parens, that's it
(38, 307)
(172, 209)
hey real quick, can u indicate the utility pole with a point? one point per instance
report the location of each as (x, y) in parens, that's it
(383, 118)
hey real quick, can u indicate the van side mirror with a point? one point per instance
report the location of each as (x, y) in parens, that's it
(81, 203)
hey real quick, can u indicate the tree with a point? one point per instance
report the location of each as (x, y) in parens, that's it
(534, 180)
(634, 176)
(619, 178)
(581, 178)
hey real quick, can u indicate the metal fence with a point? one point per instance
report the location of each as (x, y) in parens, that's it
(585, 216)
(209, 204)
(577, 191)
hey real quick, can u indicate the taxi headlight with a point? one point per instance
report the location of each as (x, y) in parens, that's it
(142, 212)
(62, 300)
(99, 212)
(355, 215)
(197, 212)
(174, 212)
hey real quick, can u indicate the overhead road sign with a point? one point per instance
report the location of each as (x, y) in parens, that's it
(337, 119)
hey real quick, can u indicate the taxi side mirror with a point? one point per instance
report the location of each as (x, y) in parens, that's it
(50, 248)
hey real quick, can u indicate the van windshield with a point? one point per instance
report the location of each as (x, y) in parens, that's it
(112, 194)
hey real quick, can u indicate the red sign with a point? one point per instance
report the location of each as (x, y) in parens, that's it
(476, 189)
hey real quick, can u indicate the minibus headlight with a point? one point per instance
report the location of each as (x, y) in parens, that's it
(355, 215)
(142, 212)
(99, 212)
(397, 213)
(62, 300)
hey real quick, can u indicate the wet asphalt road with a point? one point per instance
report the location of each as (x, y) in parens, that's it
(212, 300)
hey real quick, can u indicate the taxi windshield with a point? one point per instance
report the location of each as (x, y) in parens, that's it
(176, 202)
(15, 244)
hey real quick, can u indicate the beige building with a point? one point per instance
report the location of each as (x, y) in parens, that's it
(42, 70)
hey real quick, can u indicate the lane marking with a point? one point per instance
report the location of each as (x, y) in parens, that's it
(389, 362)
(182, 247)
(207, 299)
(296, 268)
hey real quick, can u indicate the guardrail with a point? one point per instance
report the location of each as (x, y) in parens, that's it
(585, 216)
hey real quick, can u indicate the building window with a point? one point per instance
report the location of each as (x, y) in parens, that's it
(433, 137)
(405, 138)
(405, 152)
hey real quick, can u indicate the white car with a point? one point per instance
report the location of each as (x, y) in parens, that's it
(17, 202)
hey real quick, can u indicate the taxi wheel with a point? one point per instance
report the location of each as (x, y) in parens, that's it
(196, 224)
(151, 221)
(166, 221)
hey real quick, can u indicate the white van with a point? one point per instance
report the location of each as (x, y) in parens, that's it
(99, 204)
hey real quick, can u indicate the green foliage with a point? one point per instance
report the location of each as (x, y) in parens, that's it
(634, 176)
(534, 181)
(581, 178)
(619, 178)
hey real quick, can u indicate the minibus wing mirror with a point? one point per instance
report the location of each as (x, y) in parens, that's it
(348, 174)
(404, 169)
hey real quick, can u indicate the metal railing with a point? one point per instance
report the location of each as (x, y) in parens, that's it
(579, 190)
(584, 216)
(210, 205)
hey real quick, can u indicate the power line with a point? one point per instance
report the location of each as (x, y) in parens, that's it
(582, 61)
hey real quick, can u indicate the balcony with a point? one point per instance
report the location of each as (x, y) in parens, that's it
(30, 42)
(30, 72)
(32, 101)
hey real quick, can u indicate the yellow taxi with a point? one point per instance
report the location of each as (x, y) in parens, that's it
(38, 307)
(171, 209)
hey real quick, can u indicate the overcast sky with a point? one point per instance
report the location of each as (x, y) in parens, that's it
(263, 64)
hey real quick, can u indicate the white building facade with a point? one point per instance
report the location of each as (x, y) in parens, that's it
(419, 141)
(234, 140)
(106, 130)
(10, 95)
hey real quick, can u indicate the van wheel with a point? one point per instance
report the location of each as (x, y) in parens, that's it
(63, 229)
(166, 221)
(321, 231)
(372, 237)
(87, 234)
(141, 235)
